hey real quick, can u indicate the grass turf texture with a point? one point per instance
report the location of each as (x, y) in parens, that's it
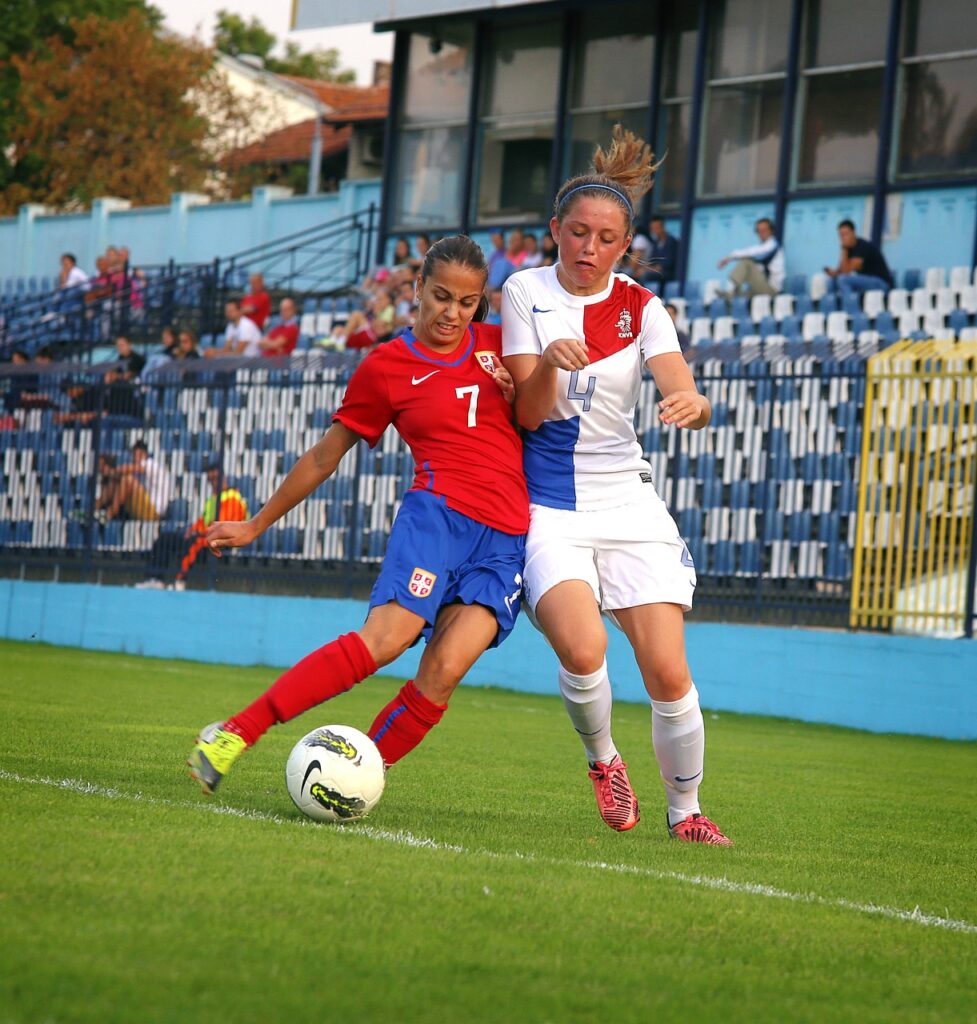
(157, 909)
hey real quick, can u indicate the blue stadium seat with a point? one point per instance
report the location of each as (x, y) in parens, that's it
(828, 303)
(694, 309)
(690, 524)
(912, 279)
(829, 527)
(790, 326)
(811, 468)
(884, 322)
(773, 525)
(739, 494)
(693, 290)
(748, 558)
(796, 284)
(717, 307)
(852, 304)
(803, 305)
(958, 320)
(767, 326)
(673, 290)
(712, 494)
(860, 322)
(836, 468)
(837, 561)
(799, 527)
(723, 558)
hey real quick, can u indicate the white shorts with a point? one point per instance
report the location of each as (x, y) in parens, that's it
(630, 555)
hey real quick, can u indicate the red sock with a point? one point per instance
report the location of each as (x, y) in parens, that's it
(325, 673)
(404, 722)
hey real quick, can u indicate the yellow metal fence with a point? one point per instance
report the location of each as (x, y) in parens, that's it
(914, 531)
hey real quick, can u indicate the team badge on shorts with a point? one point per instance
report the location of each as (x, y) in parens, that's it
(486, 360)
(421, 582)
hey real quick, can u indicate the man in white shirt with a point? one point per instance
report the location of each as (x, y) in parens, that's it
(140, 490)
(760, 269)
(71, 276)
(242, 336)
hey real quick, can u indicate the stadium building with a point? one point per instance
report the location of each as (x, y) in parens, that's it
(808, 111)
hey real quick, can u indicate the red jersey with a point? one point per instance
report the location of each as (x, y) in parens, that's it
(257, 307)
(452, 416)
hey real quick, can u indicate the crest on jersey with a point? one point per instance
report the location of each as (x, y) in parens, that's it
(623, 324)
(421, 582)
(486, 360)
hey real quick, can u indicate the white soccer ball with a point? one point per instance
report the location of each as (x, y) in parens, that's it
(335, 773)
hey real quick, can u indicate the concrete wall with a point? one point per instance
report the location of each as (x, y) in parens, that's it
(190, 229)
(864, 681)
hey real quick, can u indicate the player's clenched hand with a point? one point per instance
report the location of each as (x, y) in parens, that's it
(683, 408)
(230, 535)
(567, 354)
(503, 378)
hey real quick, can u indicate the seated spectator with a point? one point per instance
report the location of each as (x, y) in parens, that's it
(132, 361)
(533, 257)
(375, 324)
(226, 504)
(760, 269)
(421, 243)
(20, 388)
(549, 250)
(256, 305)
(71, 275)
(684, 341)
(241, 336)
(164, 357)
(99, 286)
(283, 337)
(138, 490)
(405, 308)
(186, 347)
(661, 257)
(402, 256)
(499, 266)
(862, 267)
(515, 249)
(494, 314)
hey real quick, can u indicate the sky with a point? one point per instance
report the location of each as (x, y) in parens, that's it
(359, 46)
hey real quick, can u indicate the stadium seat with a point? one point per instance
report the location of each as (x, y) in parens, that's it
(873, 303)
(945, 301)
(723, 328)
(796, 284)
(783, 305)
(934, 278)
(701, 330)
(884, 323)
(958, 321)
(933, 323)
(837, 325)
(717, 308)
(908, 323)
(921, 300)
(829, 303)
(812, 325)
(898, 301)
(790, 327)
(673, 290)
(911, 279)
(968, 299)
(739, 307)
(709, 290)
(819, 286)
(748, 558)
(760, 307)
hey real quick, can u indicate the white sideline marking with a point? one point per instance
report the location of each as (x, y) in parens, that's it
(915, 916)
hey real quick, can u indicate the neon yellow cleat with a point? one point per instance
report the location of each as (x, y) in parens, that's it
(214, 753)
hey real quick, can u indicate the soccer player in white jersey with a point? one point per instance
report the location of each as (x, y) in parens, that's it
(575, 338)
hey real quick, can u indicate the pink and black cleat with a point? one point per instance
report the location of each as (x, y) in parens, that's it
(697, 828)
(616, 801)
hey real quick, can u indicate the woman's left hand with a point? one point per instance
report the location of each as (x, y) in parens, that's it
(503, 378)
(683, 408)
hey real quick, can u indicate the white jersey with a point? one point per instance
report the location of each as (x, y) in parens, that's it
(585, 455)
(245, 330)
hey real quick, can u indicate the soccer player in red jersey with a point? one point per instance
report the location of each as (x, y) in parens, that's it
(577, 338)
(452, 571)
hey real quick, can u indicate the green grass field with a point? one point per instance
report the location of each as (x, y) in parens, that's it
(484, 887)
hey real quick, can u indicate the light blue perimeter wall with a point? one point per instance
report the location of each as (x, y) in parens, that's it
(864, 681)
(189, 230)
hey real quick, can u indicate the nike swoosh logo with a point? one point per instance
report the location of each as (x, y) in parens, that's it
(678, 778)
(536, 309)
(420, 380)
(313, 766)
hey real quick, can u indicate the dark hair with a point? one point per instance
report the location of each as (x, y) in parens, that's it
(623, 174)
(846, 223)
(660, 217)
(44, 352)
(20, 352)
(108, 458)
(140, 445)
(462, 250)
(69, 256)
(233, 302)
(766, 220)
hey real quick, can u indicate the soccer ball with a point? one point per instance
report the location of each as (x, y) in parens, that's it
(335, 773)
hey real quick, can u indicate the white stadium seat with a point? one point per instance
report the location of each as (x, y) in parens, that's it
(709, 290)
(968, 299)
(873, 303)
(723, 328)
(898, 301)
(783, 305)
(921, 300)
(837, 326)
(935, 277)
(933, 323)
(946, 300)
(701, 330)
(907, 322)
(760, 306)
(819, 285)
(812, 326)
(959, 278)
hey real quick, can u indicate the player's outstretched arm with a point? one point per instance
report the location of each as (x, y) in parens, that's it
(314, 467)
(535, 378)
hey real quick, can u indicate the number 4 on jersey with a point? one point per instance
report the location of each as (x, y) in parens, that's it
(574, 394)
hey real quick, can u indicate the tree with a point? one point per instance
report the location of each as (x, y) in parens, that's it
(235, 36)
(117, 112)
(24, 28)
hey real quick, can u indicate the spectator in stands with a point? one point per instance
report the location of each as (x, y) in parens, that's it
(138, 490)
(100, 286)
(685, 343)
(241, 336)
(22, 387)
(499, 265)
(71, 275)
(422, 243)
(862, 267)
(402, 257)
(515, 249)
(661, 256)
(283, 337)
(494, 314)
(533, 257)
(256, 305)
(225, 503)
(132, 362)
(760, 269)
(549, 250)
(186, 347)
(375, 324)
(404, 308)
(164, 357)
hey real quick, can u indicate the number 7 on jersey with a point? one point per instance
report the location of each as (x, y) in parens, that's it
(472, 390)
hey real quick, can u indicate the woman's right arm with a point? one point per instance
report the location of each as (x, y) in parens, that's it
(314, 467)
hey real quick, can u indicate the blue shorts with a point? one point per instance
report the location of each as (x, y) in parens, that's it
(436, 556)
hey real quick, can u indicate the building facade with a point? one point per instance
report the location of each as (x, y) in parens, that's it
(803, 110)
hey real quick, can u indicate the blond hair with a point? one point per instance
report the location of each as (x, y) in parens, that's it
(622, 174)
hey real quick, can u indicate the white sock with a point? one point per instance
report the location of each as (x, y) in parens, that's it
(679, 738)
(588, 703)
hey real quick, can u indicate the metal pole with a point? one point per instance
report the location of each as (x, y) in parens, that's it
(315, 157)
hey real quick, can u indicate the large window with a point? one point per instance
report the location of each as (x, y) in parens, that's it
(839, 100)
(675, 111)
(938, 90)
(517, 123)
(611, 80)
(744, 97)
(433, 118)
